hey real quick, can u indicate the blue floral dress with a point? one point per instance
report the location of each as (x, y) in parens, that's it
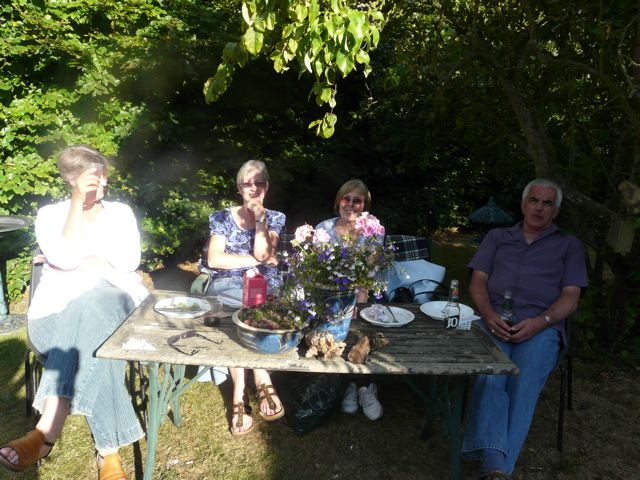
(240, 242)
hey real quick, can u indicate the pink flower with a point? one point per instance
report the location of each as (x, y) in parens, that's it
(303, 233)
(321, 236)
(369, 225)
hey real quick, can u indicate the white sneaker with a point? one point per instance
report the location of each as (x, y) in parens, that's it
(368, 398)
(350, 400)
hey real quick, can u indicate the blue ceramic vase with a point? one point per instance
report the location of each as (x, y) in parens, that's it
(336, 311)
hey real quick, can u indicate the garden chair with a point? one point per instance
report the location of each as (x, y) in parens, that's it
(565, 366)
(413, 254)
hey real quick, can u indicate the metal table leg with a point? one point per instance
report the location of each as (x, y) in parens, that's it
(444, 398)
(166, 385)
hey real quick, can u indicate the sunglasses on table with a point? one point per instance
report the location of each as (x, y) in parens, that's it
(174, 339)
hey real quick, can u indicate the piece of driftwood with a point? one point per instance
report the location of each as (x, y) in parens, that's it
(323, 345)
(360, 350)
(366, 345)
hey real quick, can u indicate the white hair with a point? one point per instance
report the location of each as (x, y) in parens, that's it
(543, 182)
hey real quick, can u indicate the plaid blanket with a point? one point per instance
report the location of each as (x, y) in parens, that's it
(410, 247)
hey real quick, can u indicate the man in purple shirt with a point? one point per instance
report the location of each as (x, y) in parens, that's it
(545, 270)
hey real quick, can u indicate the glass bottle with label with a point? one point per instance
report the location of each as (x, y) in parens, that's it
(452, 308)
(507, 315)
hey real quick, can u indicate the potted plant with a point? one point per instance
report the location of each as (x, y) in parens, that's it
(276, 326)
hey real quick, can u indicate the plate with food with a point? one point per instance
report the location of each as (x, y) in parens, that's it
(386, 316)
(435, 310)
(182, 307)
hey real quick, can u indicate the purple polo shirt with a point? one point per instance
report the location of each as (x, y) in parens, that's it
(535, 273)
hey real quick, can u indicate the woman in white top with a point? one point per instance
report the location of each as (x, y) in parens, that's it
(87, 289)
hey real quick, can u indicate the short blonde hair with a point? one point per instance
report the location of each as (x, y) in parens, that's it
(250, 165)
(348, 186)
(73, 160)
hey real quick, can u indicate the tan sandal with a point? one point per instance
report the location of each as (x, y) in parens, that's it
(266, 392)
(238, 409)
(28, 450)
(111, 468)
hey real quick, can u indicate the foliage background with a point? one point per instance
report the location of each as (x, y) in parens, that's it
(465, 99)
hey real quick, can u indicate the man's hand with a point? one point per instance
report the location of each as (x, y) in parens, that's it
(497, 327)
(527, 328)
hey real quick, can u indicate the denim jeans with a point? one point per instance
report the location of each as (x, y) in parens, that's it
(96, 386)
(502, 406)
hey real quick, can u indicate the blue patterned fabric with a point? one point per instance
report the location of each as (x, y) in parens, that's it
(240, 242)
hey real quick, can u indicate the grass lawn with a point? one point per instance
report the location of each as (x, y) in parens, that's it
(602, 436)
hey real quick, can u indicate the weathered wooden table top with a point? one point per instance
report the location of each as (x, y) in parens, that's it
(423, 346)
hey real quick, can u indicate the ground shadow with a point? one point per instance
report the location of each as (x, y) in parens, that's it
(173, 278)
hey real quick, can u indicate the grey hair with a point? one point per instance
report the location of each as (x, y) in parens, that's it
(73, 160)
(543, 182)
(252, 165)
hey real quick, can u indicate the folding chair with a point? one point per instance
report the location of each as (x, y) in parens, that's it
(565, 365)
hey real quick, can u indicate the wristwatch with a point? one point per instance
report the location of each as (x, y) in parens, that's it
(547, 319)
(261, 220)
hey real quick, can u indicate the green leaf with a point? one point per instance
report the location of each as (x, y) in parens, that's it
(248, 18)
(252, 41)
(362, 57)
(344, 63)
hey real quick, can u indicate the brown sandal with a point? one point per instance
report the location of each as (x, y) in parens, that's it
(111, 468)
(266, 392)
(238, 409)
(28, 449)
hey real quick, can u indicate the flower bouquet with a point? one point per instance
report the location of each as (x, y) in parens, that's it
(329, 273)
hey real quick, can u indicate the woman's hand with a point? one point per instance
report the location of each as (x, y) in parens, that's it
(87, 181)
(256, 207)
(272, 260)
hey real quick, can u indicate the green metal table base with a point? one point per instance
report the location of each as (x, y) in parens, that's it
(444, 398)
(163, 395)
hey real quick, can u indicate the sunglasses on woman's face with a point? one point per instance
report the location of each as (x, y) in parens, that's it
(251, 184)
(351, 200)
(174, 339)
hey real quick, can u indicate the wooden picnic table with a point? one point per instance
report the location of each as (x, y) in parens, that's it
(422, 349)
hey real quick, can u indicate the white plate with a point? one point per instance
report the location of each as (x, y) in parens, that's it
(231, 298)
(434, 310)
(182, 307)
(402, 315)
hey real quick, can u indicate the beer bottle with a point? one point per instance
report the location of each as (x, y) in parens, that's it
(507, 315)
(452, 308)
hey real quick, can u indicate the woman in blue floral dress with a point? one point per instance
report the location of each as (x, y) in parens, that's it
(242, 238)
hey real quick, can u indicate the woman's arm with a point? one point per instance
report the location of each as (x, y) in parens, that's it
(218, 258)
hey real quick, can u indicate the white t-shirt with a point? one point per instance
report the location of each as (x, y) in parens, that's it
(114, 237)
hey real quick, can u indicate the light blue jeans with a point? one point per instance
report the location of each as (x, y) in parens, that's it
(502, 406)
(95, 386)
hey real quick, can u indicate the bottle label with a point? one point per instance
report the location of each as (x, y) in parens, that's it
(452, 321)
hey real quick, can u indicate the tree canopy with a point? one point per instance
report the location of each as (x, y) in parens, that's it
(440, 105)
